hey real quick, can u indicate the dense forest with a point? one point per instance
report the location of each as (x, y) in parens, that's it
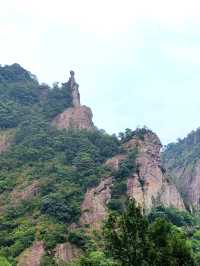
(186, 150)
(63, 164)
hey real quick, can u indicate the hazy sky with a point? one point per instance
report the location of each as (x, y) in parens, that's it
(137, 62)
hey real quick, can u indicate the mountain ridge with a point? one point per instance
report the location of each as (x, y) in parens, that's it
(60, 175)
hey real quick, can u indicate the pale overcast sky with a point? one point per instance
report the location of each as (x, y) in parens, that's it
(137, 62)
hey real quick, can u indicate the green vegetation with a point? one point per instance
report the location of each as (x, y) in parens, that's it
(21, 95)
(129, 134)
(184, 151)
(44, 176)
(129, 239)
(4, 262)
(174, 216)
(62, 163)
(126, 168)
(65, 163)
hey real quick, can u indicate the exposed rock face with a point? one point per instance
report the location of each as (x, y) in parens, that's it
(75, 117)
(4, 141)
(93, 208)
(114, 162)
(66, 252)
(170, 196)
(32, 256)
(25, 193)
(182, 161)
(74, 89)
(150, 186)
(188, 181)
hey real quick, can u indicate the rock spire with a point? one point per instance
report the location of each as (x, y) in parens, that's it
(74, 89)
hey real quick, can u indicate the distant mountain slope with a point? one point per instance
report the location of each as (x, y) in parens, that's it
(182, 161)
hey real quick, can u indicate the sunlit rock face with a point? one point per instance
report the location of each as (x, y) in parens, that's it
(66, 252)
(94, 206)
(75, 117)
(150, 185)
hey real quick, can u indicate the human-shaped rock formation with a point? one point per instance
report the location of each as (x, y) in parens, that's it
(74, 89)
(78, 116)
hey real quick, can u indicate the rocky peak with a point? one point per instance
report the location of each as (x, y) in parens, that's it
(77, 117)
(74, 89)
(147, 142)
(149, 186)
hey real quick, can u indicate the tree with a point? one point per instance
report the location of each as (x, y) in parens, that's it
(170, 244)
(4, 262)
(95, 258)
(132, 241)
(126, 238)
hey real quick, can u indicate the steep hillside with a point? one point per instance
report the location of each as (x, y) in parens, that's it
(182, 161)
(60, 176)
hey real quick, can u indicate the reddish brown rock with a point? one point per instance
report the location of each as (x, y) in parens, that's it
(75, 117)
(32, 256)
(188, 181)
(114, 162)
(93, 208)
(66, 252)
(150, 186)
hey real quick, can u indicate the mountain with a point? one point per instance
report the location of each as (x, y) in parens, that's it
(182, 161)
(60, 175)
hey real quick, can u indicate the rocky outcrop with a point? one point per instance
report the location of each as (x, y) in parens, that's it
(74, 89)
(32, 256)
(93, 208)
(66, 252)
(182, 161)
(75, 117)
(5, 140)
(150, 186)
(188, 181)
(169, 195)
(25, 193)
(114, 162)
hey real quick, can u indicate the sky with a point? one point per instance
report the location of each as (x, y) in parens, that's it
(137, 62)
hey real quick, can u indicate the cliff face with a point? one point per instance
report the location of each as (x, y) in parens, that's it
(187, 178)
(77, 117)
(149, 186)
(66, 252)
(32, 256)
(182, 161)
(93, 208)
